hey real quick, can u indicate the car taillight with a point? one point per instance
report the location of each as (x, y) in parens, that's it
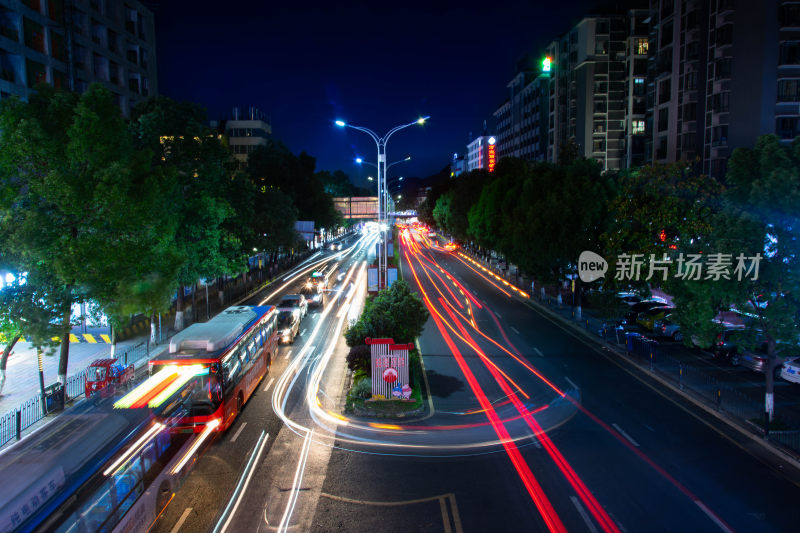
(719, 339)
(664, 327)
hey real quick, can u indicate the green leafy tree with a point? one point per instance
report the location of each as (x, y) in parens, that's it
(176, 132)
(79, 194)
(760, 215)
(396, 312)
(29, 307)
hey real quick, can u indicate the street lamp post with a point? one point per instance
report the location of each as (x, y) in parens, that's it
(381, 142)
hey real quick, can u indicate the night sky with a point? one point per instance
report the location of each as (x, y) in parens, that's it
(372, 65)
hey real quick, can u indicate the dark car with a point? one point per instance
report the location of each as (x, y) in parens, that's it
(288, 327)
(640, 307)
(726, 344)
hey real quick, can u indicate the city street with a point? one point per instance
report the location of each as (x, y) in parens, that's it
(616, 452)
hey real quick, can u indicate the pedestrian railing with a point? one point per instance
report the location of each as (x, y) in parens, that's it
(24, 416)
(75, 385)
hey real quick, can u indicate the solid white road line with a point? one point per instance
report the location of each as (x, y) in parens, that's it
(712, 516)
(244, 481)
(572, 383)
(622, 432)
(181, 520)
(238, 432)
(271, 381)
(514, 330)
(538, 352)
(582, 512)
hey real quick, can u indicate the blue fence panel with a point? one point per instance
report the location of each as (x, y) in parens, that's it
(8, 426)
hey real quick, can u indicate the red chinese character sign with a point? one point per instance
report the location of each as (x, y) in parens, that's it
(389, 367)
(491, 154)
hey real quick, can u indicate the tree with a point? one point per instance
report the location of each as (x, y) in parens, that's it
(396, 312)
(759, 219)
(29, 307)
(176, 132)
(78, 199)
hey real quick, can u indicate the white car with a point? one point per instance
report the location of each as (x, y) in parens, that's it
(791, 370)
(295, 303)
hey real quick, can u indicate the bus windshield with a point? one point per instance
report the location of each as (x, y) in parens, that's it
(200, 395)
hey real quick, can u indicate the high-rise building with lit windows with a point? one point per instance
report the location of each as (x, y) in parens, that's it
(521, 120)
(73, 43)
(722, 73)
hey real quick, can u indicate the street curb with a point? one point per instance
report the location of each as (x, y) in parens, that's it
(593, 341)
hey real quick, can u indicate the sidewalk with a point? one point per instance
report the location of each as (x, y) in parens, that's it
(676, 367)
(22, 388)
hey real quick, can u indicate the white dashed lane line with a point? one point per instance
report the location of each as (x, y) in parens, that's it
(622, 432)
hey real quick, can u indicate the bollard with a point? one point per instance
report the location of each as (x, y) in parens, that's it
(19, 424)
(587, 325)
(719, 398)
(126, 358)
(651, 360)
(680, 376)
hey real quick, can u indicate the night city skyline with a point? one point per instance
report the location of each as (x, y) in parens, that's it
(306, 67)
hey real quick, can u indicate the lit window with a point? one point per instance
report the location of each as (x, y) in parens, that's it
(641, 47)
(637, 126)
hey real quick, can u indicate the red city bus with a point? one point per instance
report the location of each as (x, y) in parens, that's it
(213, 368)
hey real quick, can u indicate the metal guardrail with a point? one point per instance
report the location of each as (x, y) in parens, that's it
(75, 385)
(14, 422)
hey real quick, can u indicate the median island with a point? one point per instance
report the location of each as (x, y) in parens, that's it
(386, 367)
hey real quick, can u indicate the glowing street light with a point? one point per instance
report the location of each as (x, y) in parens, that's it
(383, 198)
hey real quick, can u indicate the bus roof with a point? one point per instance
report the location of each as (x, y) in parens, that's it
(57, 459)
(217, 334)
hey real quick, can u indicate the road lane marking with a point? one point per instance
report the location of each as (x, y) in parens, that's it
(302, 333)
(513, 328)
(572, 383)
(712, 516)
(445, 515)
(249, 469)
(497, 315)
(538, 351)
(622, 432)
(271, 381)
(582, 512)
(181, 520)
(238, 432)
(288, 354)
(456, 516)
(106, 338)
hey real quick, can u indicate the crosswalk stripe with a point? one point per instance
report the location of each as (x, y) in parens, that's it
(89, 338)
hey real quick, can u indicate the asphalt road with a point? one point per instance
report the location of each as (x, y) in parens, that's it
(532, 429)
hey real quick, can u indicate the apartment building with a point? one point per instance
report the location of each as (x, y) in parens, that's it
(721, 73)
(73, 43)
(587, 90)
(481, 153)
(521, 121)
(245, 130)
